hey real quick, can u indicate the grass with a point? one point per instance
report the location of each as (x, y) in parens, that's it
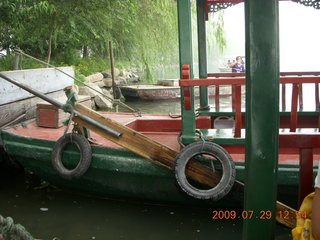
(83, 66)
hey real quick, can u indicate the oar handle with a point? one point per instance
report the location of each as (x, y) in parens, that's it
(60, 105)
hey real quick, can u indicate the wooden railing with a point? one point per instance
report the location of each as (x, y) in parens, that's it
(306, 143)
(297, 79)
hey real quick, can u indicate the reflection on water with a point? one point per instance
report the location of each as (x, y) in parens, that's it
(173, 106)
(50, 213)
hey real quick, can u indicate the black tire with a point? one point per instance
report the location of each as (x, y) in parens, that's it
(85, 155)
(228, 167)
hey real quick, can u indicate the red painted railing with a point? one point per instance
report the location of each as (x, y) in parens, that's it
(306, 143)
(237, 79)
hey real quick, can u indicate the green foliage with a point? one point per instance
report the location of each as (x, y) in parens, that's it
(6, 63)
(215, 31)
(88, 66)
(144, 33)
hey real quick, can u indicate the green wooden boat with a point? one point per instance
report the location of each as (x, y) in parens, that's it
(118, 173)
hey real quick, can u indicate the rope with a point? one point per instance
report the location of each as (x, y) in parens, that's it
(110, 99)
(11, 231)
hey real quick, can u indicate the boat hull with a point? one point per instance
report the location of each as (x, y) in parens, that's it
(121, 174)
(157, 92)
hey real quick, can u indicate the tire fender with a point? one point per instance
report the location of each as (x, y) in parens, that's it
(85, 155)
(209, 148)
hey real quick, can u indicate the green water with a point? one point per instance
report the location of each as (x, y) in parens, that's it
(50, 213)
(172, 106)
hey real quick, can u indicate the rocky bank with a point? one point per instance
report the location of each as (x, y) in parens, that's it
(102, 82)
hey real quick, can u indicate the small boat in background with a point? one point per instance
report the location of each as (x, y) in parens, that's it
(163, 90)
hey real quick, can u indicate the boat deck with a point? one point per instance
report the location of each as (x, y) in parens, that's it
(166, 130)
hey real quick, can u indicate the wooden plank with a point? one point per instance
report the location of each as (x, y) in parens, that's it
(136, 142)
(161, 155)
(306, 173)
(283, 99)
(218, 75)
(242, 81)
(300, 97)
(238, 118)
(45, 80)
(217, 98)
(317, 96)
(294, 108)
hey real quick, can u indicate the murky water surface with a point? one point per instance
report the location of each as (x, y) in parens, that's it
(48, 213)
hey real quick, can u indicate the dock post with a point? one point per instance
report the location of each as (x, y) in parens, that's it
(202, 50)
(185, 56)
(262, 121)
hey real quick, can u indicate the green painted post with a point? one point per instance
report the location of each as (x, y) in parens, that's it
(202, 50)
(185, 54)
(262, 121)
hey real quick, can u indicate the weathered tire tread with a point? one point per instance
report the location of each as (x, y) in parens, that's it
(219, 191)
(85, 156)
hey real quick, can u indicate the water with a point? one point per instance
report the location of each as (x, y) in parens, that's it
(50, 213)
(173, 106)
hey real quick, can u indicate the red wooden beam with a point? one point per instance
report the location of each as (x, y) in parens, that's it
(241, 80)
(208, 82)
(186, 90)
(294, 107)
(317, 96)
(217, 98)
(300, 97)
(218, 75)
(299, 140)
(306, 173)
(283, 95)
(238, 122)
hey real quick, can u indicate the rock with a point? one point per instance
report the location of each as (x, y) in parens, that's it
(116, 72)
(107, 92)
(100, 84)
(120, 81)
(88, 91)
(118, 94)
(76, 89)
(83, 90)
(107, 82)
(124, 73)
(134, 77)
(96, 77)
(102, 103)
(93, 105)
(106, 74)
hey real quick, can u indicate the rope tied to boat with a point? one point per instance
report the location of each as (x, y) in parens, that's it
(11, 231)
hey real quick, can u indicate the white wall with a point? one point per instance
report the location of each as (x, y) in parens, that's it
(45, 80)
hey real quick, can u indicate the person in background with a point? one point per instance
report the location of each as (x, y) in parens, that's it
(316, 208)
(238, 65)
